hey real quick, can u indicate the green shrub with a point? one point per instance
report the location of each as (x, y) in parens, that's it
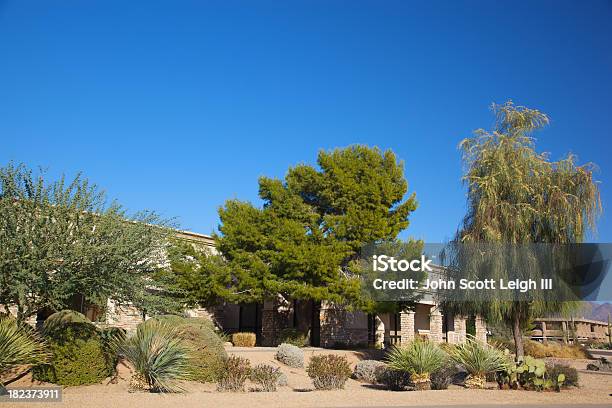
(266, 376)
(244, 339)
(365, 370)
(234, 374)
(328, 372)
(394, 380)
(290, 355)
(206, 352)
(478, 359)
(78, 354)
(570, 375)
(419, 358)
(294, 337)
(159, 356)
(19, 345)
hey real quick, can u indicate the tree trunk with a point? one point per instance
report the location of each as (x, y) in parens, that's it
(518, 336)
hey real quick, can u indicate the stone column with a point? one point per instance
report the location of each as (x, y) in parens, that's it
(435, 325)
(268, 324)
(407, 326)
(543, 332)
(379, 332)
(460, 329)
(481, 329)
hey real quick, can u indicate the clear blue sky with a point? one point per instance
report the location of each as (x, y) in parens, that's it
(177, 106)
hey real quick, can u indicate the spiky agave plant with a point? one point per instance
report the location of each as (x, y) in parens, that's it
(159, 356)
(478, 359)
(419, 358)
(19, 345)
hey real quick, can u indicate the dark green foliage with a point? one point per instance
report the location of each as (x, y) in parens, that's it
(206, 351)
(266, 376)
(294, 337)
(570, 373)
(311, 226)
(328, 372)
(394, 380)
(234, 374)
(78, 355)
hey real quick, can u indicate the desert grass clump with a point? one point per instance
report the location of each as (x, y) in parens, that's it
(244, 339)
(478, 359)
(19, 345)
(365, 370)
(290, 355)
(554, 349)
(266, 376)
(328, 372)
(234, 374)
(419, 358)
(159, 356)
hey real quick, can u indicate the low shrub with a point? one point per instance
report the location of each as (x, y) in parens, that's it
(206, 352)
(602, 365)
(234, 374)
(531, 374)
(290, 355)
(294, 337)
(570, 374)
(478, 359)
(282, 380)
(159, 356)
(419, 358)
(19, 345)
(365, 370)
(266, 376)
(244, 339)
(443, 377)
(328, 372)
(394, 380)
(78, 354)
(554, 349)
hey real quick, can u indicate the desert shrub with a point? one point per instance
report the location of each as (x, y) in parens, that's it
(443, 377)
(206, 352)
(290, 355)
(570, 375)
(78, 354)
(244, 339)
(554, 349)
(530, 374)
(294, 337)
(282, 380)
(394, 380)
(19, 345)
(328, 372)
(419, 358)
(478, 359)
(159, 356)
(234, 374)
(266, 377)
(365, 370)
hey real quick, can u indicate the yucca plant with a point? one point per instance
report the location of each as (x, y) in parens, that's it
(19, 345)
(478, 359)
(159, 356)
(419, 358)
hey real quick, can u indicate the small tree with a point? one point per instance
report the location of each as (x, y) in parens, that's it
(519, 196)
(59, 239)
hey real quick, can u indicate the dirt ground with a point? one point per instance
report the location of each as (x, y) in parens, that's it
(596, 388)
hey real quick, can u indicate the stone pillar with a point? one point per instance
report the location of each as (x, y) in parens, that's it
(543, 332)
(379, 332)
(268, 324)
(407, 326)
(481, 329)
(435, 325)
(460, 329)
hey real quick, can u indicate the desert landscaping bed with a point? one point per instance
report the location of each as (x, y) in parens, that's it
(595, 389)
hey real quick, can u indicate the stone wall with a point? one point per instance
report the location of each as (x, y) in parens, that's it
(340, 327)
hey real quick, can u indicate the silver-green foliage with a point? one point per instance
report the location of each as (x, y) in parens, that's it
(479, 359)
(418, 357)
(290, 355)
(159, 355)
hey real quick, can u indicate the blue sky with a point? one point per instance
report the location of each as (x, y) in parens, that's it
(178, 106)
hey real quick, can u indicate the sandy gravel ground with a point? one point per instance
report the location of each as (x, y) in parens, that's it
(595, 389)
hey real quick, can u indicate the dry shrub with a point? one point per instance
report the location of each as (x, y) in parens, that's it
(554, 349)
(235, 373)
(244, 339)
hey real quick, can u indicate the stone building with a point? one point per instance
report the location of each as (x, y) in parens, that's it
(569, 330)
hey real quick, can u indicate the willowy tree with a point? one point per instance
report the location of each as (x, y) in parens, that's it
(312, 225)
(519, 196)
(59, 239)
